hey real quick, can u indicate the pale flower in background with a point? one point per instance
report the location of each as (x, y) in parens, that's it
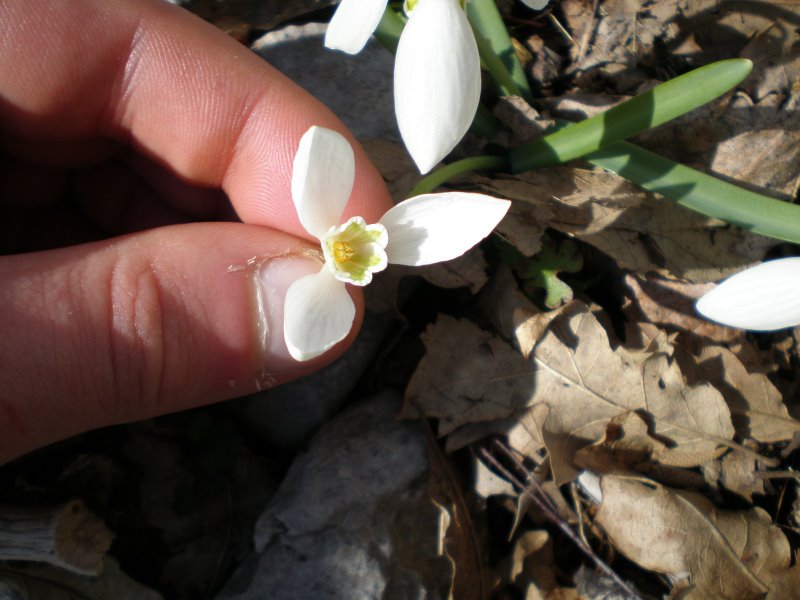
(762, 298)
(426, 229)
(535, 4)
(437, 75)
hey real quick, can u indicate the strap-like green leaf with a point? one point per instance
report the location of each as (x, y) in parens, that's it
(645, 111)
(703, 193)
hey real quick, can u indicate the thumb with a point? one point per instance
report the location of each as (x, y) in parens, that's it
(142, 325)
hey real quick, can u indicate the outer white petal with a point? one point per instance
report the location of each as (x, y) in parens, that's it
(435, 227)
(318, 313)
(322, 179)
(437, 80)
(761, 298)
(353, 24)
(535, 4)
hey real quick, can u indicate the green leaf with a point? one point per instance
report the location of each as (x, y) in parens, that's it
(491, 31)
(664, 102)
(540, 272)
(703, 193)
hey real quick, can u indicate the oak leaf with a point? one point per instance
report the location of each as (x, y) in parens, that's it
(723, 554)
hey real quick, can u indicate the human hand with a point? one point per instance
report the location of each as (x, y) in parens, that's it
(133, 119)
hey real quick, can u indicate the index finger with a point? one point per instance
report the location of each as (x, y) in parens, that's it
(176, 88)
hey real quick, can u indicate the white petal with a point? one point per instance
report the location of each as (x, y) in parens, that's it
(437, 81)
(535, 4)
(761, 298)
(322, 179)
(353, 24)
(435, 227)
(318, 313)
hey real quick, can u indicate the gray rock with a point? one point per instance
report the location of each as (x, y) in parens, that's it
(352, 519)
(287, 415)
(358, 89)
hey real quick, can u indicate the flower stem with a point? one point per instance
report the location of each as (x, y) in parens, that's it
(465, 165)
(389, 29)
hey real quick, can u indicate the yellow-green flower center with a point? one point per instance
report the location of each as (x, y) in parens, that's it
(354, 251)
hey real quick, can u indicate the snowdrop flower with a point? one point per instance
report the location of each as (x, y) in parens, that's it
(762, 298)
(437, 75)
(426, 229)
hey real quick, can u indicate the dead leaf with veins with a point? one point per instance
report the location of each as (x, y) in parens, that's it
(584, 383)
(755, 403)
(626, 446)
(533, 568)
(468, 375)
(639, 230)
(740, 474)
(723, 554)
(669, 304)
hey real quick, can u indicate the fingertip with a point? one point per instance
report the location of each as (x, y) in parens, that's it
(150, 323)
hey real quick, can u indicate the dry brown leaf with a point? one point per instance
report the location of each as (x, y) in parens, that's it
(740, 475)
(524, 225)
(585, 383)
(756, 405)
(457, 540)
(640, 231)
(575, 383)
(626, 445)
(670, 305)
(521, 429)
(467, 375)
(533, 568)
(468, 270)
(725, 554)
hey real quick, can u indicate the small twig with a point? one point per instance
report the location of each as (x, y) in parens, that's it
(552, 516)
(780, 475)
(573, 490)
(562, 29)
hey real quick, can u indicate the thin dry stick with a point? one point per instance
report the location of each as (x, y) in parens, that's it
(552, 516)
(562, 29)
(573, 490)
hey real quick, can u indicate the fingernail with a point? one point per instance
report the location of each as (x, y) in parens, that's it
(273, 279)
